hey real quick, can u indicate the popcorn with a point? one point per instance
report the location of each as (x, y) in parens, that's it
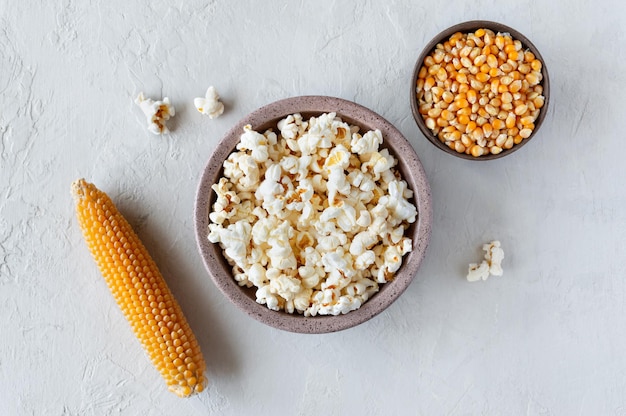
(368, 143)
(255, 142)
(314, 217)
(494, 256)
(210, 104)
(156, 112)
(491, 265)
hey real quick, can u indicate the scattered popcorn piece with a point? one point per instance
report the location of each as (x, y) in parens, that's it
(494, 256)
(492, 265)
(478, 272)
(156, 112)
(314, 216)
(210, 104)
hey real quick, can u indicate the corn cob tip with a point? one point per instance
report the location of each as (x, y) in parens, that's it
(78, 189)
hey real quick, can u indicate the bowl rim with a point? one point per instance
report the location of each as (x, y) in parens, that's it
(466, 27)
(415, 176)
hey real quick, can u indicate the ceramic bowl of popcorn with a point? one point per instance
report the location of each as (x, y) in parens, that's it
(480, 90)
(313, 214)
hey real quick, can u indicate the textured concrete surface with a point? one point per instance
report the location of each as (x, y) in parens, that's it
(544, 339)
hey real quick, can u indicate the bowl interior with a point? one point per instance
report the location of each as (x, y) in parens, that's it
(408, 164)
(467, 27)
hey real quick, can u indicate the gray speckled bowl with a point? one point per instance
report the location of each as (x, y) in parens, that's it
(408, 164)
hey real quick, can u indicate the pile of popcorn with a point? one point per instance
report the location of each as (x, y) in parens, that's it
(312, 215)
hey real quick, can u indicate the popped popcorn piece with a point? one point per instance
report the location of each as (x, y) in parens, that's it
(256, 142)
(478, 272)
(368, 143)
(321, 213)
(494, 256)
(156, 112)
(491, 265)
(209, 105)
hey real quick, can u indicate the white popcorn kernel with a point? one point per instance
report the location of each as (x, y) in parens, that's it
(337, 184)
(364, 219)
(396, 235)
(494, 256)
(270, 187)
(310, 275)
(491, 265)
(331, 242)
(400, 208)
(368, 143)
(262, 228)
(256, 275)
(346, 304)
(285, 286)
(302, 300)
(362, 242)
(405, 246)
(378, 163)
(333, 262)
(265, 296)
(240, 277)
(364, 260)
(478, 272)
(210, 104)
(280, 253)
(255, 142)
(393, 259)
(344, 215)
(156, 112)
(234, 239)
(339, 158)
(380, 225)
(292, 127)
(362, 181)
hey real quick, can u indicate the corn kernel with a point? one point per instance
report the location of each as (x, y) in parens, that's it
(521, 109)
(525, 133)
(535, 64)
(510, 121)
(509, 142)
(477, 150)
(487, 130)
(429, 83)
(482, 77)
(527, 121)
(498, 124)
(533, 78)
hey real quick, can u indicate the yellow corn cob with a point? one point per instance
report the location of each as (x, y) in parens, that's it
(140, 291)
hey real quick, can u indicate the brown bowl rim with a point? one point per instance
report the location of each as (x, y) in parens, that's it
(466, 27)
(412, 171)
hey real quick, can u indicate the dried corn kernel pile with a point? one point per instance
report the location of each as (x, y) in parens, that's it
(313, 217)
(480, 93)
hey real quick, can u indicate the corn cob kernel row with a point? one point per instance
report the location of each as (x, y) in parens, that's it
(140, 291)
(480, 92)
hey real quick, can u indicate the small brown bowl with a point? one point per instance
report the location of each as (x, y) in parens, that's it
(409, 166)
(468, 27)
